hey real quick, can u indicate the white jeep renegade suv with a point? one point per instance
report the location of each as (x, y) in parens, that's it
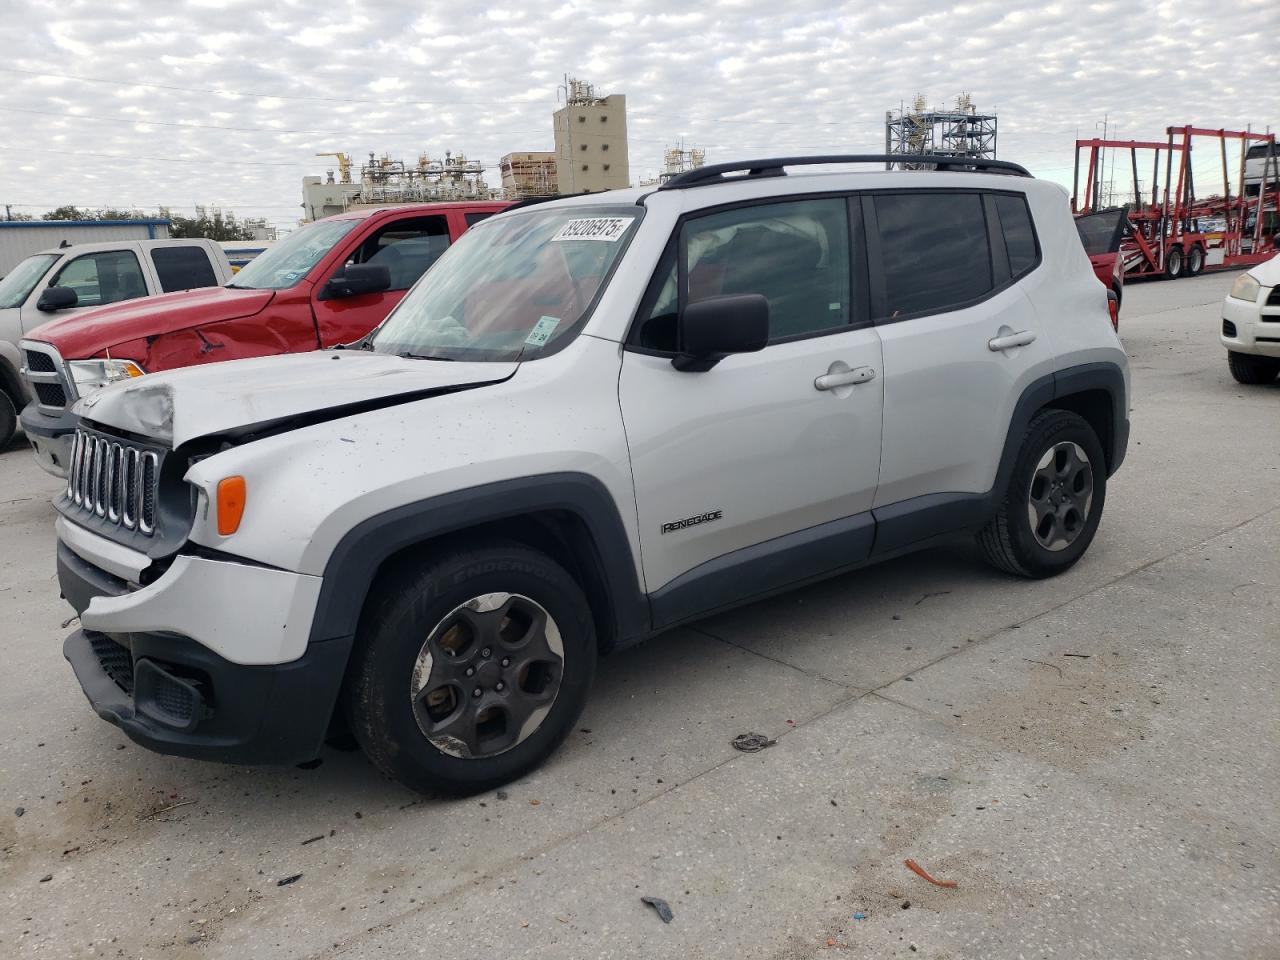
(593, 419)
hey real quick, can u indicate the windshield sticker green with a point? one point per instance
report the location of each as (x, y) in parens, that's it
(594, 228)
(541, 331)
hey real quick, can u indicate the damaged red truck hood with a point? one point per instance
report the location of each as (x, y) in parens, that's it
(240, 396)
(87, 333)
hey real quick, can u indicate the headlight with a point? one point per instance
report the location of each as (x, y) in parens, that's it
(1245, 288)
(90, 376)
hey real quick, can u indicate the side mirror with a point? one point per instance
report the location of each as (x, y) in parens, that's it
(712, 328)
(56, 298)
(357, 278)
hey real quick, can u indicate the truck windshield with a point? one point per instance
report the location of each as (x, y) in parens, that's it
(512, 286)
(22, 279)
(284, 264)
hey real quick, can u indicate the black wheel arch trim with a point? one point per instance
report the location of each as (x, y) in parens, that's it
(355, 562)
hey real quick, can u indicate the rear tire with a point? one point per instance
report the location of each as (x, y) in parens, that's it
(8, 420)
(1195, 260)
(500, 619)
(1173, 263)
(1252, 370)
(1054, 500)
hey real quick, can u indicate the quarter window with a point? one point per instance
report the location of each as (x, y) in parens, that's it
(101, 278)
(934, 251)
(1019, 237)
(183, 268)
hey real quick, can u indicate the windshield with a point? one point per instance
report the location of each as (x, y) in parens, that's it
(292, 258)
(511, 287)
(22, 279)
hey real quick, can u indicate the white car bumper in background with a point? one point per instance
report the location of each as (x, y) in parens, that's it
(1253, 327)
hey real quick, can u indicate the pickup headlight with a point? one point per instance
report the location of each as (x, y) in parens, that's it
(1245, 288)
(90, 376)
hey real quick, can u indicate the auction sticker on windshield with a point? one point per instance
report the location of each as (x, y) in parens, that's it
(594, 228)
(542, 331)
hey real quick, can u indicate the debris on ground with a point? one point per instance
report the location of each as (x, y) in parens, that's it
(172, 806)
(751, 742)
(920, 871)
(311, 840)
(859, 915)
(1082, 656)
(288, 880)
(69, 621)
(1051, 666)
(20, 811)
(46, 878)
(502, 794)
(661, 906)
(936, 593)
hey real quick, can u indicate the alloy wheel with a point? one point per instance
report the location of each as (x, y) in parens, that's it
(487, 675)
(1060, 495)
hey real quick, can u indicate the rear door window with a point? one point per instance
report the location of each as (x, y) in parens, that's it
(183, 268)
(934, 252)
(101, 278)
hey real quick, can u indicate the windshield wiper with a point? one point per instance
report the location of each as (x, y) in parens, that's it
(418, 356)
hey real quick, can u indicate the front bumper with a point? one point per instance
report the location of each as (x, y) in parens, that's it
(145, 671)
(50, 437)
(1252, 328)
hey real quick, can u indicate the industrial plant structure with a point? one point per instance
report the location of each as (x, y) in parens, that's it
(961, 132)
(528, 174)
(590, 155)
(591, 140)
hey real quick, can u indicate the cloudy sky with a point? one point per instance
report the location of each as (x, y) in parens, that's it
(138, 103)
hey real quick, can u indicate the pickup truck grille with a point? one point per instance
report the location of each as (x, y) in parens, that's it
(46, 376)
(114, 480)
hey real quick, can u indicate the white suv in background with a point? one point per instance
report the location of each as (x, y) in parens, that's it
(593, 419)
(1251, 324)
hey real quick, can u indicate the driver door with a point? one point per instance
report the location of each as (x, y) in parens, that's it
(756, 474)
(407, 247)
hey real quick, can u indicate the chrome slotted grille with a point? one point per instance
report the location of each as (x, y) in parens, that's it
(114, 480)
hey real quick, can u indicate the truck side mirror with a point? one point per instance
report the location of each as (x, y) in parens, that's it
(56, 298)
(712, 328)
(357, 278)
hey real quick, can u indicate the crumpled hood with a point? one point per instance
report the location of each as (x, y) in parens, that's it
(82, 334)
(180, 405)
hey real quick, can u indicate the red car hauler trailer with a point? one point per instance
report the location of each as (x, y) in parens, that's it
(1171, 233)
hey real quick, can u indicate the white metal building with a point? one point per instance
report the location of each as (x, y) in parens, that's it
(21, 238)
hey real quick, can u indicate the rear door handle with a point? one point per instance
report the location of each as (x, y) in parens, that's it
(1009, 341)
(846, 378)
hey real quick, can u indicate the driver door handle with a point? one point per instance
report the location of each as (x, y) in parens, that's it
(1019, 339)
(829, 381)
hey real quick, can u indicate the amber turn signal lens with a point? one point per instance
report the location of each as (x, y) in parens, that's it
(231, 497)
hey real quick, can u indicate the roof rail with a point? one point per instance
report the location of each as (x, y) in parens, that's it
(773, 167)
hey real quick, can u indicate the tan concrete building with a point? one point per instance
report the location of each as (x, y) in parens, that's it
(591, 141)
(528, 174)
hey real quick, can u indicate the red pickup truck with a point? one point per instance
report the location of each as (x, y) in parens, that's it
(328, 283)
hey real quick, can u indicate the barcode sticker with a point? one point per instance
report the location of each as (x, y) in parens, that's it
(594, 228)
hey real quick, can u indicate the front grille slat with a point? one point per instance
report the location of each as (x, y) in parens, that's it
(114, 480)
(38, 362)
(50, 394)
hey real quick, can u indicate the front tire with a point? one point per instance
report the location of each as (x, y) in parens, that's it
(1052, 505)
(471, 668)
(1173, 263)
(1252, 370)
(8, 420)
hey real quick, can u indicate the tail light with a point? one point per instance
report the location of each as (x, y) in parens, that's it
(1113, 308)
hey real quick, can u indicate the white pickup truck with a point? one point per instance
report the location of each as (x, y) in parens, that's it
(49, 283)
